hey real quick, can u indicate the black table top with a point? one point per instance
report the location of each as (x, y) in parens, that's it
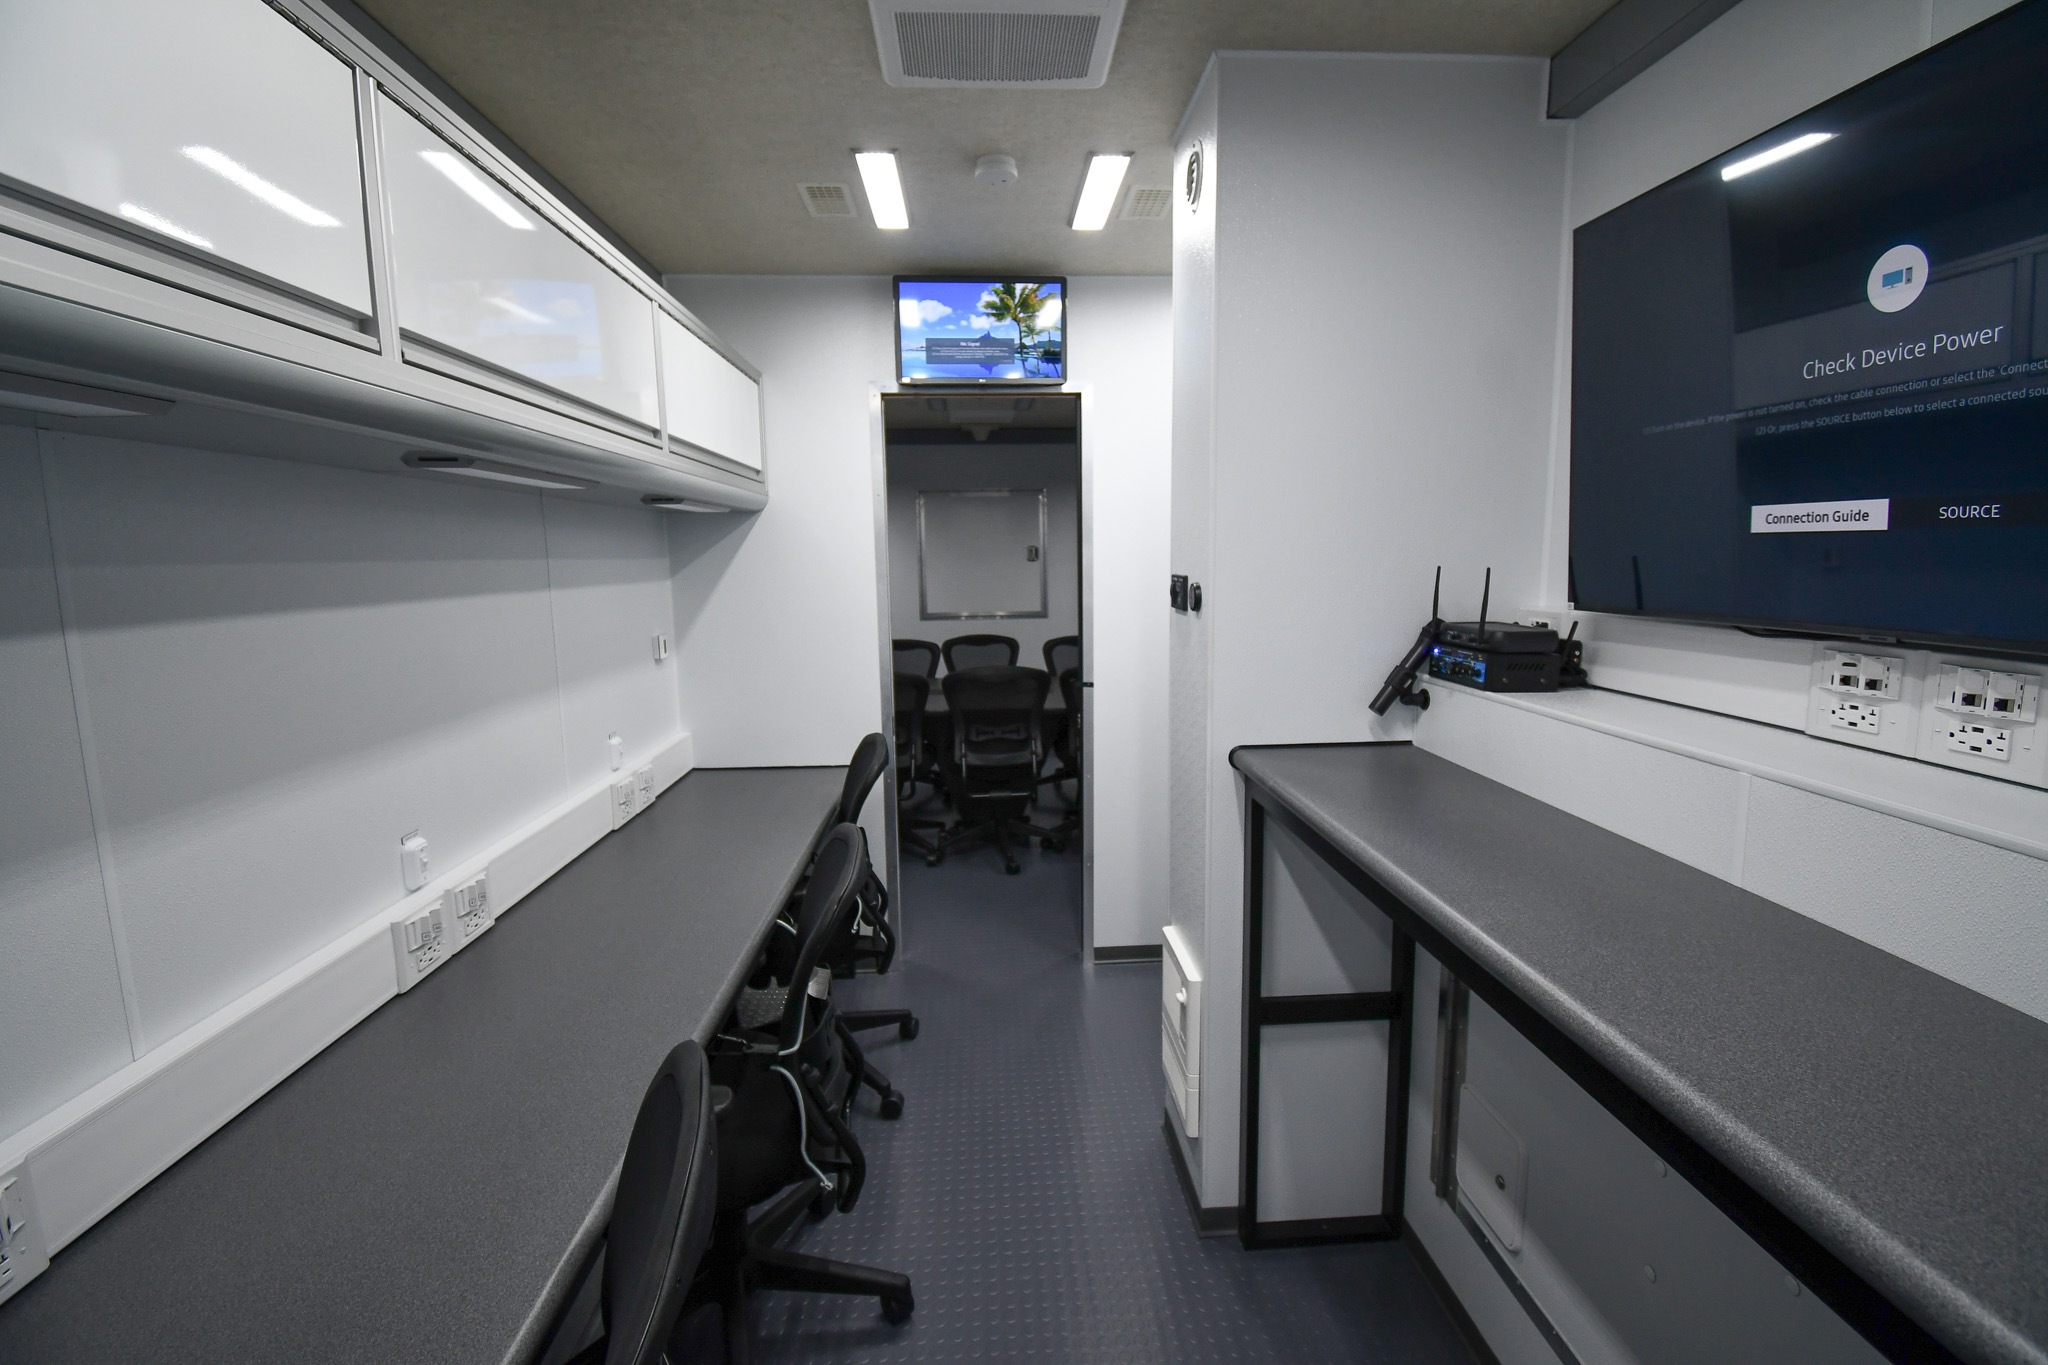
(1898, 1118)
(406, 1194)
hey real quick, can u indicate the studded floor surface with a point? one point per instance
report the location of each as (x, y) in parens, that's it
(1027, 1190)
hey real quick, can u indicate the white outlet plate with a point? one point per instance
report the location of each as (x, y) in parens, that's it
(421, 940)
(1869, 700)
(1983, 716)
(625, 798)
(470, 909)
(24, 1254)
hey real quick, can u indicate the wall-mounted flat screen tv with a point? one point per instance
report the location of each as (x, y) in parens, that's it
(1810, 378)
(977, 330)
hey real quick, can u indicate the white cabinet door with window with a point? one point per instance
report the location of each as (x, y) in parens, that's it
(480, 272)
(215, 125)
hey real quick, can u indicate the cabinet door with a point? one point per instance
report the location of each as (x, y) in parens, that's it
(216, 124)
(712, 404)
(481, 272)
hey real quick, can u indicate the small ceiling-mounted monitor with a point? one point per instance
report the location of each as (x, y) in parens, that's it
(972, 330)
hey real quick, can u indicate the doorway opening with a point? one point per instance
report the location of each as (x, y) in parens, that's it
(985, 605)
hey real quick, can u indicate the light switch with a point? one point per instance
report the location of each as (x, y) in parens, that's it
(617, 747)
(412, 860)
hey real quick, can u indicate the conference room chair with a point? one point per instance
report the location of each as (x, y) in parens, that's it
(660, 1229)
(914, 766)
(998, 749)
(1062, 652)
(1068, 750)
(978, 651)
(783, 1136)
(917, 656)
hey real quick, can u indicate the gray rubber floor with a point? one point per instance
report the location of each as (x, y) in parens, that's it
(1027, 1189)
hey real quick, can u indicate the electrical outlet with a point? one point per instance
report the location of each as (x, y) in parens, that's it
(1869, 700)
(643, 786)
(24, 1254)
(470, 909)
(421, 942)
(1983, 716)
(625, 799)
(1967, 737)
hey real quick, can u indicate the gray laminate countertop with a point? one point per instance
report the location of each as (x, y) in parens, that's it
(405, 1195)
(1898, 1118)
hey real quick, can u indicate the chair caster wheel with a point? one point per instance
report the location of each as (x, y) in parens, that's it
(932, 862)
(1012, 868)
(892, 1105)
(821, 1205)
(898, 1311)
(907, 1029)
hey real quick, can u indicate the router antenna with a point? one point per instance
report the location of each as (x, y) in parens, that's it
(1436, 612)
(1485, 596)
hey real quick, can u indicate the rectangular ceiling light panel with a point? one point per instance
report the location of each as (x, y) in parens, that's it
(1032, 44)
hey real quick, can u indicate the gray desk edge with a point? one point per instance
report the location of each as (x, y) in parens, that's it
(1919, 1289)
(532, 1337)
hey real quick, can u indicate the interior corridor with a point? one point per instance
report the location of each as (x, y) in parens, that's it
(1027, 1190)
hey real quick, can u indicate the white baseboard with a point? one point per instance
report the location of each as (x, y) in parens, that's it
(91, 1153)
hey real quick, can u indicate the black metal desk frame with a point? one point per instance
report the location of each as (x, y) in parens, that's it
(1863, 1308)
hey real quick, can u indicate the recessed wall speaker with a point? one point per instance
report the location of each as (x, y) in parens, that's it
(1043, 44)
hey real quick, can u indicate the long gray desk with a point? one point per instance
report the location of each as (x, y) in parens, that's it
(1857, 1113)
(406, 1195)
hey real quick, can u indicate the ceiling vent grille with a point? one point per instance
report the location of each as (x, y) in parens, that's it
(828, 201)
(1146, 202)
(1040, 44)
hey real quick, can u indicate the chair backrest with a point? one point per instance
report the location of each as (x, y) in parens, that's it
(1062, 652)
(996, 716)
(978, 651)
(870, 759)
(661, 1218)
(917, 656)
(913, 694)
(838, 872)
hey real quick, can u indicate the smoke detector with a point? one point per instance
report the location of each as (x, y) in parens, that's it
(1033, 44)
(996, 169)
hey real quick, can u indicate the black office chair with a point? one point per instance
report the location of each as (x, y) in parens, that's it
(998, 749)
(1062, 652)
(914, 765)
(784, 1135)
(917, 656)
(867, 939)
(661, 1220)
(978, 651)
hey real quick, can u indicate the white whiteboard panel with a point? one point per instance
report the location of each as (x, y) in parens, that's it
(480, 271)
(216, 124)
(711, 404)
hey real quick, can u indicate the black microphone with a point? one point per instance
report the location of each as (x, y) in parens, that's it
(1401, 681)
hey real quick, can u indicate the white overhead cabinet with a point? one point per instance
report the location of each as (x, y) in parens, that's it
(480, 272)
(217, 127)
(712, 403)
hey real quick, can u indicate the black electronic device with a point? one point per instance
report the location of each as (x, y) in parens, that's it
(1496, 656)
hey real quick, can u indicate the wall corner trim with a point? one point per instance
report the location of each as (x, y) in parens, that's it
(1620, 45)
(96, 1150)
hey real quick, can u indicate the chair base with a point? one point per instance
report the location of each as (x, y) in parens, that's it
(860, 1021)
(866, 1072)
(1001, 830)
(744, 1258)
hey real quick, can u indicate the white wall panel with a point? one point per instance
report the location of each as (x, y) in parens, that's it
(1121, 355)
(779, 623)
(1322, 1120)
(284, 669)
(60, 990)
(1975, 914)
(609, 586)
(1054, 468)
